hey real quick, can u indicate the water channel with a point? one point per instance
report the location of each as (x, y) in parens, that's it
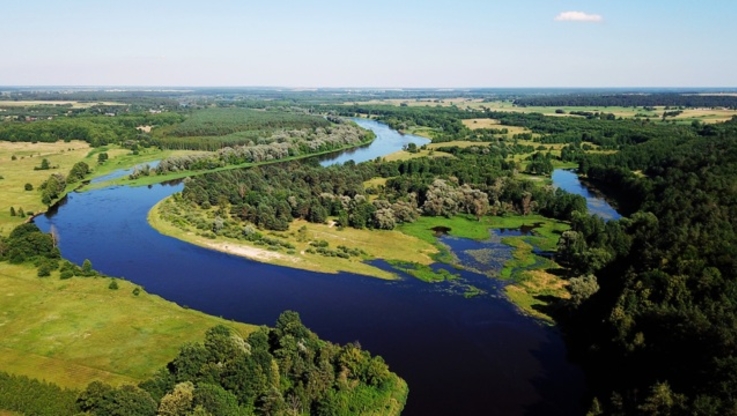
(476, 356)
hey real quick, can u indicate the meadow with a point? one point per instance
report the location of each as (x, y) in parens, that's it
(77, 330)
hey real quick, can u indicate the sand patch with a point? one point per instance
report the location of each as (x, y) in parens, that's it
(248, 252)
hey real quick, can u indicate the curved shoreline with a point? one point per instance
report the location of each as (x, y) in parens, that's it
(299, 260)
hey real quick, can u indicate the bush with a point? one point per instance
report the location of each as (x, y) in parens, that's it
(28, 187)
(44, 270)
(113, 285)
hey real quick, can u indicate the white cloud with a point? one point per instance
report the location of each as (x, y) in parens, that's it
(578, 17)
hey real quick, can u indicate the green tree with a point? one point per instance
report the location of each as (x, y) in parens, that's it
(87, 268)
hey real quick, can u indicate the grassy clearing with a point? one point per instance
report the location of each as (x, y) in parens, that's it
(375, 243)
(426, 132)
(74, 331)
(405, 155)
(17, 173)
(489, 123)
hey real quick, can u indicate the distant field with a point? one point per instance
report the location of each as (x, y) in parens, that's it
(705, 115)
(74, 104)
(74, 331)
(405, 155)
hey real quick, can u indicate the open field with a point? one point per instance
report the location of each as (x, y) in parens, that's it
(74, 104)
(74, 331)
(405, 155)
(375, 243)
(62, 156)
(705, 115)
(490, 123)
(17, 173)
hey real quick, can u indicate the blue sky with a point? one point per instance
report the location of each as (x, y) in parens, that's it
(398, 43)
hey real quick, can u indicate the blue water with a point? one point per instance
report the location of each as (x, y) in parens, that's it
(123, 172)
(597, 205)
(387, 141)
(460, 356)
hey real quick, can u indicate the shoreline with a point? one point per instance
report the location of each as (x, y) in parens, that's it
(299, 260)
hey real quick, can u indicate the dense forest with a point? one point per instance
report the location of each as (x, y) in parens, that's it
(270, 197)
(660, 335)
(676, 100)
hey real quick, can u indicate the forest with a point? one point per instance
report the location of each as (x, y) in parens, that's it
(676, 100)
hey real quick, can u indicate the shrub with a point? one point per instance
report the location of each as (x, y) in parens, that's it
(28, 187)
(113, 285)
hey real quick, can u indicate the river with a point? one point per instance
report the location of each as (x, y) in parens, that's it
(476, 356)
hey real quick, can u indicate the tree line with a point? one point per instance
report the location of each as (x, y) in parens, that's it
(687, 100)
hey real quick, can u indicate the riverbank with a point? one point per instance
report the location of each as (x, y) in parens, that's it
(298, 246)
(530, 285)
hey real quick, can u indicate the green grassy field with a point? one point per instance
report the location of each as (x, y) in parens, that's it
(74, 331)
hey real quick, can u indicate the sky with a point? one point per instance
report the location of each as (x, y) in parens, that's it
(369, 44)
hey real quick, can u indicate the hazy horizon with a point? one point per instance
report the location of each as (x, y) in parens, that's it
(387, 45)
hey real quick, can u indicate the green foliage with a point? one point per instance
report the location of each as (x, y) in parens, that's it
(45, 165)
(663, 313)
(27, 243)
(33, 397)
(95, 128)
(28, 187)
(113, 285)
(78, 172)
(284, 369)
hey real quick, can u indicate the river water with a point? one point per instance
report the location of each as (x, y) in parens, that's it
(460, 356)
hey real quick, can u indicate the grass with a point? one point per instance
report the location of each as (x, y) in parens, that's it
(381, 244)
(17, 173)
(489, 123)
(423, 272)
(405, 155)
(74, 331)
